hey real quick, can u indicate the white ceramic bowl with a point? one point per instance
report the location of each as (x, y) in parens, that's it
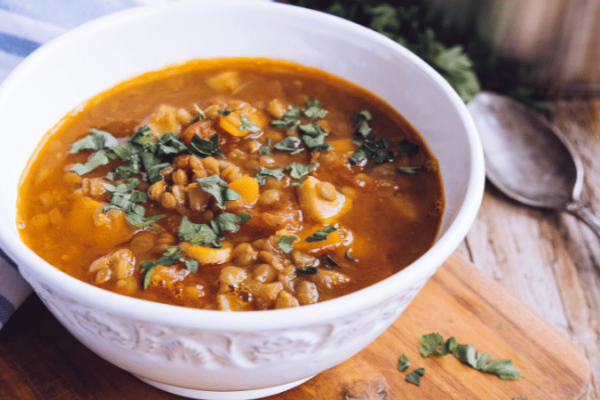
(211, 354)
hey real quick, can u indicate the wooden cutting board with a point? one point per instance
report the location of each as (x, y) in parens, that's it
(39, 359)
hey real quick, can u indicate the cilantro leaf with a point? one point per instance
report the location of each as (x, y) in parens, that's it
(414, 377)
(266, 150)
(204, 148)
(434, 343)
(329, 263)
(170, 257)
(349, 257)
(149, 267)
(196, 233)
(301, 171)
(406, 148)
(153, 166)
(201, 116)
(285, 243)
(97, 140)
(218, 188)
(141, 221)
(310, 270)
(192, 265)
(290, 119)
(409, 170)
(290, 143)
(321, 234)
(265, 173)
(247, 125)
(170, 145)
(314, 110)
(98, 159)
(404, 363)
(228, 222)
(313, 136)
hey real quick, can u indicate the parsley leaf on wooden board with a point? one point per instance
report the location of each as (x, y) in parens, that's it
(434, 343)
(414, 377)
(404, 363)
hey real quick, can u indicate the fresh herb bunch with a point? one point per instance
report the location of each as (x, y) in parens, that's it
(465, 61)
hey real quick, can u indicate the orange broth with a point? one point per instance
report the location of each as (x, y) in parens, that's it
(292, 171)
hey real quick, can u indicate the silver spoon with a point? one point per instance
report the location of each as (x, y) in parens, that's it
(527, 158)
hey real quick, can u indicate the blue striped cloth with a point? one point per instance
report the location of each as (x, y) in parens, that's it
(24, 26)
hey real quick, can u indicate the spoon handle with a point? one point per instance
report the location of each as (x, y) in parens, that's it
(585, 214)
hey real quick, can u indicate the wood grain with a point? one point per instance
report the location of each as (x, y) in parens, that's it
(550, 261)
(40, 360)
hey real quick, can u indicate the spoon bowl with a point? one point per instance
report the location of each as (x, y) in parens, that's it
(528, 158)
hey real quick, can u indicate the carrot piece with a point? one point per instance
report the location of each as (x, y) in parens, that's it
(247, 187)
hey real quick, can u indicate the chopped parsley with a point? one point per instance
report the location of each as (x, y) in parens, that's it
(247, 125)
(297, 171)
(321, 234)
(409, 170)
(407, 148)
(203, 148)
(225, 112)
(349, 257)
(265, 173)
(300, 171)
(290, 143)
(414, 377)
(310, 270)
(329, 263)
(219, 189)
(196, 233)
(371, 147)
(209, 234)
(404, 363)
(169, 258)
(98, 140)
(266, 150)
(311, 134)
(434, 343)
(285, 243)
(141, 221)
(201, 116)
(290, 120)
(98, 159)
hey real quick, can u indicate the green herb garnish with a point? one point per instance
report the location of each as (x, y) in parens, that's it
(219, 189)
(266, 150)
(196, 233)
(290, 143)
(247, 125)
(290, 120)
(169, 258)
(201, 116)
(409, 170)
(285, 243)
(313, 110)
(97, 140)
(414, 377)
(404, 363)
(406, 148)
(434, 343)
(310, 270)
(205, 148)
(349, 257)
(265, 173)
(321, 234)
(329, 263)
(141, 221)
(301, 171)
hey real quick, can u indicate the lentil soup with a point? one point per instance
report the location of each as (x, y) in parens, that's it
(232, 184)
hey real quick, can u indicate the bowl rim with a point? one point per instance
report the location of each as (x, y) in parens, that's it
(144, 310)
